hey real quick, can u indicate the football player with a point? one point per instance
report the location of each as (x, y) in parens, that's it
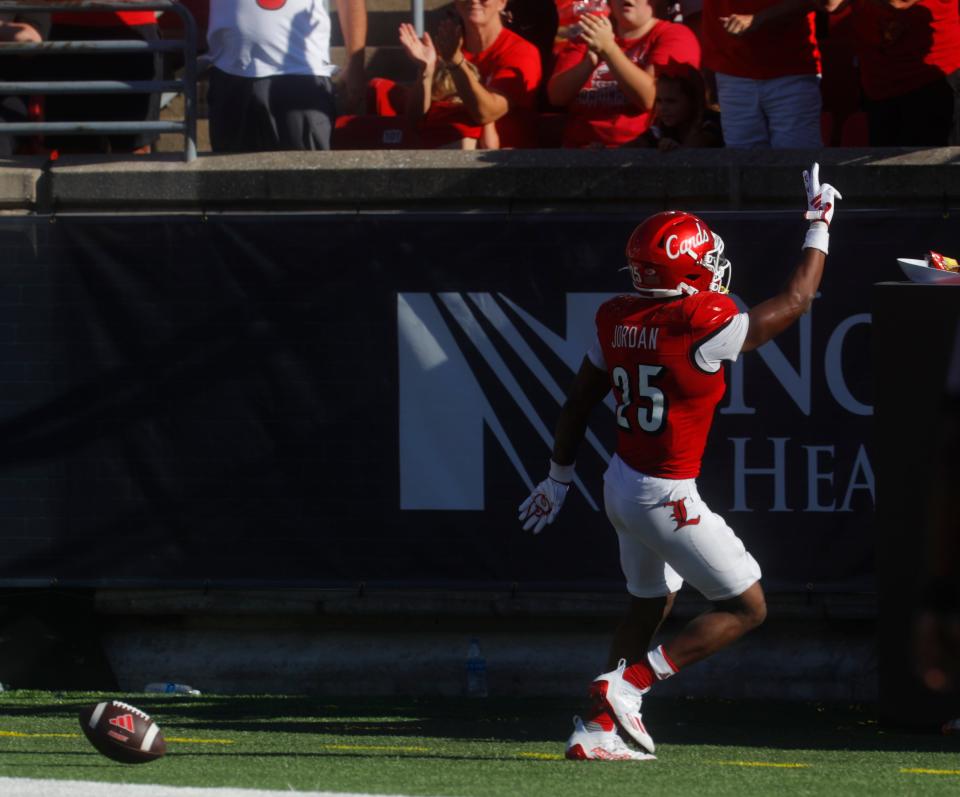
(661, 350)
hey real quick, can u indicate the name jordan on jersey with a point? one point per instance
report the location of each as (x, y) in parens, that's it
(632, 337)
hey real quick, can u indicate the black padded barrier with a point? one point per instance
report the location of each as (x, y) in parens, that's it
(915, 330)
(345, 399)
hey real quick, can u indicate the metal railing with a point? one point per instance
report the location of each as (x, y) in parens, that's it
(417, 11)
(187, 85)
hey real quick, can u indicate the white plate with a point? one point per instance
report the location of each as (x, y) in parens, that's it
(919, 271)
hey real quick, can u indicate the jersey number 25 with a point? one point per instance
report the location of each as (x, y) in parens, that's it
(649, 418)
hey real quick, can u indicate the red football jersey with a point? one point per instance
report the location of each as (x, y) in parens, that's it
(665, 400)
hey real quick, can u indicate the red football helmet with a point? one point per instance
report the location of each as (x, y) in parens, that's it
(673, 253)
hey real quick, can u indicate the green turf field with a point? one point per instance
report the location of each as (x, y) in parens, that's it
(482, 747)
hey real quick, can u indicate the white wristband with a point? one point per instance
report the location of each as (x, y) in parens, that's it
(561, 473)
(818, 237)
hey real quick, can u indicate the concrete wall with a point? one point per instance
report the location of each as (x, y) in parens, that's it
(532, 179)
(342, 643)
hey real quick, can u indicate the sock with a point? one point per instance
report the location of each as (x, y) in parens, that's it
(661, 664)
(656, 667)
(640, 674)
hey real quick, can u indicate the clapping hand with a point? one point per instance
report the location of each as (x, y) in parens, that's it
(597, 32)
(450, 40)
(420, 50)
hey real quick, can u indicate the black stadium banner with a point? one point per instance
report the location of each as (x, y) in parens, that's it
(342, 399)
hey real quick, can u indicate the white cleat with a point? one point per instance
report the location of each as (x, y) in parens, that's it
(589, 745)
(624, 700)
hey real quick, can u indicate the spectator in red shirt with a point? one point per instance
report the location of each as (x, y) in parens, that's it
(503, 88)
(446, 128)
(606, 79)
(765, 58)
(103, 25)
(909, 54)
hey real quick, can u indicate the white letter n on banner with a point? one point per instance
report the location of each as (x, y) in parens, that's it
(442, 411)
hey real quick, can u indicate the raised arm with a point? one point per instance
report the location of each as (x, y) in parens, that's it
(589, 387)
(424, 55)
(768, 319)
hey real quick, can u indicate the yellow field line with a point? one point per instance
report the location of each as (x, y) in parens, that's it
(391, 748)
(41, 735)
(931, 771)
(176, 740)
(758, 764)
(541, 756)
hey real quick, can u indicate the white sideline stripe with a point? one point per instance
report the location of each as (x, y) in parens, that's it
(97, 713)
(149, 736)
(28, 787)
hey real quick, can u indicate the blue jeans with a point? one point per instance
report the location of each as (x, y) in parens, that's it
(781, 113)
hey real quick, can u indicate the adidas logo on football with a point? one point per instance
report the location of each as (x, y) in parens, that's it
(124, 722)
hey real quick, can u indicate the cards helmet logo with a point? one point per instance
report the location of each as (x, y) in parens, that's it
(675, 246)
(673, 253)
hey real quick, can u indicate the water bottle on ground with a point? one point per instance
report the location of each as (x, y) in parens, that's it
(170, 688)
(476, 670)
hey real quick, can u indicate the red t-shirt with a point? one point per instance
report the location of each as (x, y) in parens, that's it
(902, 50)
(510, 67)
(665, 402)
(786, 46)
(600, 114)
(446, 122)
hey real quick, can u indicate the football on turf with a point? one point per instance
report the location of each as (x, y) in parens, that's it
(122, 732)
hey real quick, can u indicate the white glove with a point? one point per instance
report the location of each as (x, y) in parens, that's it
(821, 199)
(543, 505)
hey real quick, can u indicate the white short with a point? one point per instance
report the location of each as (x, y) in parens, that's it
(668, 535)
